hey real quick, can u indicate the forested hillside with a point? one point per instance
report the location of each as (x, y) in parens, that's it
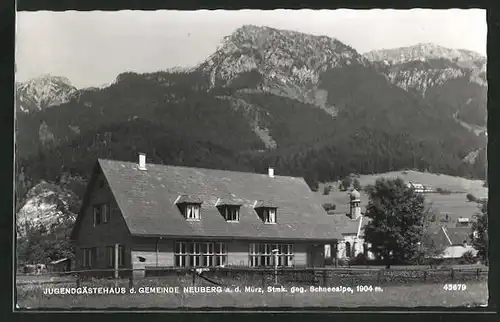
(309, 106)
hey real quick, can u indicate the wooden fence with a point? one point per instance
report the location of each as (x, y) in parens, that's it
(230, 276)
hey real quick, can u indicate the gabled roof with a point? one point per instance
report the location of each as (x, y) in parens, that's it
(229, 201)
(265, 204)
(348, 226)
(443, 237)
(147, 202)
(188, 199)
(459, 235)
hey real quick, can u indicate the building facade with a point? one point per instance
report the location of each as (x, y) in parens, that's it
(351, 228)
(139, 217)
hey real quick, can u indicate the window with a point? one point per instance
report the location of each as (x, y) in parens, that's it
(180, 254)
(220, 254)
(230, 213)
(87, 257)
(200, 254)
(268, 215)
(121, 255)
(110, 256)
(348, 249)
(101, 214)
(192, 211)
(261, 255)
(208, 254)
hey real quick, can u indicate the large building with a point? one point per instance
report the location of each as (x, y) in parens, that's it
(146, 216)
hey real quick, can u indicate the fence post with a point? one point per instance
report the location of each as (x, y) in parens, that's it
(78, 281)
(452, 274)
(379, 277)
(425, 275)
(478, 271)
(131, 281)
(194, 276)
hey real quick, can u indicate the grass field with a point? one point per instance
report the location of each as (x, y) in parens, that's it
(455, 204)
(475, 294)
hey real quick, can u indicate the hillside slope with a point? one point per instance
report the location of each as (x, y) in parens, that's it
(309, 106)
(454, 78)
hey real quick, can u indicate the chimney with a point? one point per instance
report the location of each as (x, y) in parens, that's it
(271, 172)
(142, 161)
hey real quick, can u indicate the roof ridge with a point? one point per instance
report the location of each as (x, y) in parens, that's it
(446, 234)
(199, 168)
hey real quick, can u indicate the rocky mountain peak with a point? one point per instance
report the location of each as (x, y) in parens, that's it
(422, 52)
(425, 65)
(42, 92)
(289, 62)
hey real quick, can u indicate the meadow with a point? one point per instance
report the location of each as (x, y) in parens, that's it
(455, 204)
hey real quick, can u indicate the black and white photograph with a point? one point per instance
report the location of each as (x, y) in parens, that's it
(251, 159)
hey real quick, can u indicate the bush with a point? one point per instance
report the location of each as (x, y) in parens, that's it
(327, 189)
(360, 259)
(346, 183)
(471, 197)
(329, 206)
(313, 185)
(356, 184)
(468, 258)
(443, 191)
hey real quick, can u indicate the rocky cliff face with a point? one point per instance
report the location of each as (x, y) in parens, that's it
(42, 92)
(289, 63)
(423, 66)
(425, 51)
(47, 204)
(449, 78)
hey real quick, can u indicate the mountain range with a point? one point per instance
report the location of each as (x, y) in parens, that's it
(307, 105)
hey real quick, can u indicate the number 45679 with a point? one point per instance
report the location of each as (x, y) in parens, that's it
(454, 287)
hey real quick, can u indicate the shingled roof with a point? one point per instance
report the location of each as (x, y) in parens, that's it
(443, 236)
(459, 235)
(348, 226)
(147, 199)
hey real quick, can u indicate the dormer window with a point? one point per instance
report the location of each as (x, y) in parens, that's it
(230, 212)
(229, 208)
(189, 206)
(269, 215)
(266, 211)
(192, 211)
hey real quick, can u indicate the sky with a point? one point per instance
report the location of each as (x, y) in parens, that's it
(92, 48)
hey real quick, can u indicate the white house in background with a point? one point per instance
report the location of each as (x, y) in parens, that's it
(463, 222)
(418, 187)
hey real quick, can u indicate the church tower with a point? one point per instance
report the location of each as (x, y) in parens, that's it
(355, 207)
